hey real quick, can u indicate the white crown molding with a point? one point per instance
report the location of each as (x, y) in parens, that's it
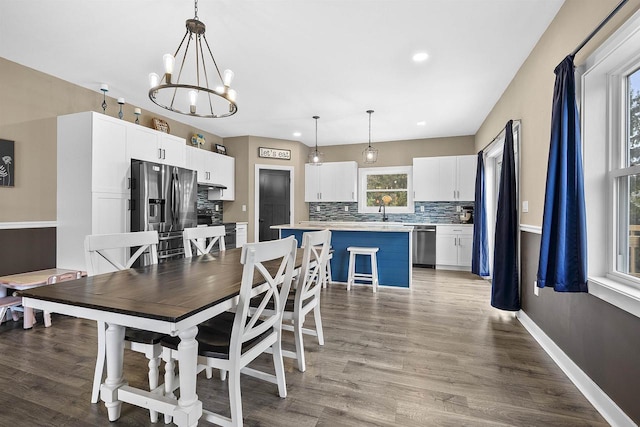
(27, 224)
(594, 394)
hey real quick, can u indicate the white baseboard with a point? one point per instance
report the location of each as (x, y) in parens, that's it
(594, 394)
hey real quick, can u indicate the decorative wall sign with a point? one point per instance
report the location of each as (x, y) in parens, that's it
(274, 153)
(160, 125)
(221, 149)
(7, 163)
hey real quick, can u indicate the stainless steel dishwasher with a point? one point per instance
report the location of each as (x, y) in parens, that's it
(424, 246)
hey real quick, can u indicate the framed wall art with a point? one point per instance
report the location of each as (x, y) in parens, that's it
(7, 163)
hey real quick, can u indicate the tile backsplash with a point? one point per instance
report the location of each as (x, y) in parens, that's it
(205, 203)
(434, 212)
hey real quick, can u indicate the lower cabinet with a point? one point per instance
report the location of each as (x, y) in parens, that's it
(241, 234)
(454, 246)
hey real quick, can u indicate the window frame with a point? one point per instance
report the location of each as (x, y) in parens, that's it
(363, 173)
(603, 100)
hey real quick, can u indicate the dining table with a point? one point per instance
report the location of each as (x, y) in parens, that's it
(29, 280)
(170, 298)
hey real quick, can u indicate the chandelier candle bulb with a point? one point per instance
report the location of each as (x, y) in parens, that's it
(169, 62)
(193, 100)
(154, 79)
(228, 78)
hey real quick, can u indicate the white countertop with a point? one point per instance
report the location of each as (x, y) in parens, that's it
(348, 226)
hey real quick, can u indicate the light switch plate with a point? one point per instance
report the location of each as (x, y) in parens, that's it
(244, 208)
(317, 208)
(421, 208)
(525, 206)
(346, 208)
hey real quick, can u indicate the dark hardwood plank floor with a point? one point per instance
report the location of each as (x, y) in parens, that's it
(436, 355)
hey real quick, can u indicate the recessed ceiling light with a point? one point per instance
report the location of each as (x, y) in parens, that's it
(297, 134)
(420, 57)
(422, 123)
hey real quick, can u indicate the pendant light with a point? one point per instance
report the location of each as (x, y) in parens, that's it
(197, 95)
(315, 156)
(370, 154)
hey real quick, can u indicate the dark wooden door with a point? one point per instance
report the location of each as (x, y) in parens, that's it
(275, 187)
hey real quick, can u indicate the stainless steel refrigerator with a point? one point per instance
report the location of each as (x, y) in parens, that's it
(164, 199)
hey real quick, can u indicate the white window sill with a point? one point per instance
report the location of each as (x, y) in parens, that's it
(621, 295)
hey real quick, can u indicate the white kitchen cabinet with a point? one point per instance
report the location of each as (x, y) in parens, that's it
(454, 246)
(241, 234)
(153, 146)
(92, 190)
(214, 170)
(447, 178)
(331, 182)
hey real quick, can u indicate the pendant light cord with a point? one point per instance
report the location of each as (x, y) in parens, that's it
(316, 119)
(369, 111)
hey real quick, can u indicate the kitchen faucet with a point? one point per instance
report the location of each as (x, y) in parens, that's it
(384, 211)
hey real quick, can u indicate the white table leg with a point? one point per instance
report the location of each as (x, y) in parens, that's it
(115, 359)
(189, 407)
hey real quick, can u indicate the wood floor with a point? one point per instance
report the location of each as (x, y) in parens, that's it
(437, 355)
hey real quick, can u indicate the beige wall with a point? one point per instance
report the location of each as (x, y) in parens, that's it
(247, 149)
(529, 95)
(30, 101)
(401, 153)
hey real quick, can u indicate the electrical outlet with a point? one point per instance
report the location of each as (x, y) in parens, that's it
(244, 208)
(421, 208)
(346, 208)
(525, 206)
(458, 208)
(217, 208)
(536, 289)
(317, 208)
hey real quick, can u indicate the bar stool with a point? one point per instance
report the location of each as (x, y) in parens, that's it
(353, 276)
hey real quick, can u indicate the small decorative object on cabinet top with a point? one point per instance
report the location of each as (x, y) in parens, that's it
(221, 149)
(160, 125)
(197, 140)
(274, 153)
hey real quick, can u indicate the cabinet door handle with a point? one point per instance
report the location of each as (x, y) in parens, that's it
(128, 183)
(352, 196)
(160, 153)
(164, 154)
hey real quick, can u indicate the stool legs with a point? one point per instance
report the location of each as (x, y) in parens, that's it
(352, 269)
(374, 272)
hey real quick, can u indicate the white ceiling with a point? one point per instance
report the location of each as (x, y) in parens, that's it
(296, 58)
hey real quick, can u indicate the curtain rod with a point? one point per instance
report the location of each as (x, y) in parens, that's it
(516, 123)
(599, 27)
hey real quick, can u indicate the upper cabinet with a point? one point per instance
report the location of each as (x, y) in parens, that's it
(331, 182)
(215, 170)
(449, 178)
(153, 146)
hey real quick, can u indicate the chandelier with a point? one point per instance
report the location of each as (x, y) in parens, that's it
(370, 154)
(315, 156)
(197, 96)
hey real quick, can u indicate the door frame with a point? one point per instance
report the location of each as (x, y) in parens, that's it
(256, 218)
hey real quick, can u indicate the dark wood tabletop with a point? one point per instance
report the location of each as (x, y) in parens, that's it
(171, 291)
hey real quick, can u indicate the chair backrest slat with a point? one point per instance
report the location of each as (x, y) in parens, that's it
(197, 237)
(260, 260)
(101, 246)
(314, 261)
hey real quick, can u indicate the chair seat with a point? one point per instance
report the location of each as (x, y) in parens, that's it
(214, 337)
(143, 337)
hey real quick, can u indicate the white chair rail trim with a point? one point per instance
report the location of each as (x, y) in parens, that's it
(27, 224)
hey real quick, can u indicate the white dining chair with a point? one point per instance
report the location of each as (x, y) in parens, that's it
(230, 341)
(198, 236)
(306, 295)
(107, 247)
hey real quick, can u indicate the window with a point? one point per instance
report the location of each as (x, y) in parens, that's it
(390, 186)
(610, 114)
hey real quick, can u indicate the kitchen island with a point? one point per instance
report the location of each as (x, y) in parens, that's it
(393, 240)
